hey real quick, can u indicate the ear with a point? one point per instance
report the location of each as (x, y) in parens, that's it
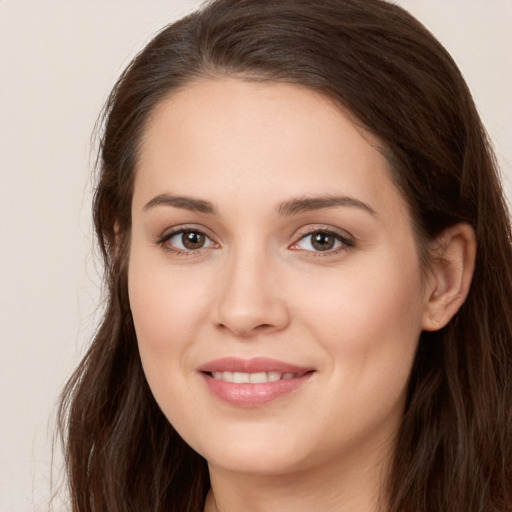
(450, 274)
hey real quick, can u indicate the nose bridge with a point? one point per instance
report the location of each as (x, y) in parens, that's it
(249, 298)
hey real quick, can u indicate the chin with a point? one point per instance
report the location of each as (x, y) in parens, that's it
(255, 456)
(264, 464)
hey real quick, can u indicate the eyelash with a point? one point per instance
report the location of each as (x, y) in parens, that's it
(346, 243)
(162, 241)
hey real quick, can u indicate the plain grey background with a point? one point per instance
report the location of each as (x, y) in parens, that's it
(58, 60)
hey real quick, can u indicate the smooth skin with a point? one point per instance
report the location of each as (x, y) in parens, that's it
(298, 248)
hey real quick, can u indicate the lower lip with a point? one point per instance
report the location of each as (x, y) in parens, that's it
(253, 395)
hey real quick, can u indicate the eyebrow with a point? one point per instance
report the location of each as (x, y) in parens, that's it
(288, 208)
(185, 202)
(306, 204)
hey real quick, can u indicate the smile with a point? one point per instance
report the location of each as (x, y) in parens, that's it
(252, 382)
(253, 378)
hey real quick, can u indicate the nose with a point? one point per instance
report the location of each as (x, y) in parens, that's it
(250, 298)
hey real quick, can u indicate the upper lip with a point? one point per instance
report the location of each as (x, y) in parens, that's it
(253, 365)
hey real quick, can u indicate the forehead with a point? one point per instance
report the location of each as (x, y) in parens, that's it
(229, 138)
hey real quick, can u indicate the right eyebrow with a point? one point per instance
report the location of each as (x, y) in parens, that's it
(185, 202)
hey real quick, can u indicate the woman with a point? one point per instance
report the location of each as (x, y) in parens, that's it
(309, 268)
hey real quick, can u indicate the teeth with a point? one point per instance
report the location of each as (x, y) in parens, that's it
(226, 376)
(240, 378)
(273, 376)
(253, 378)
(258, 377)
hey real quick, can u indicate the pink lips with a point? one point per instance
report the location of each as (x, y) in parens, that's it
(282, 377)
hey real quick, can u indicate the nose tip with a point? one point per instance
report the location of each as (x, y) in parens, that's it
(250, 303)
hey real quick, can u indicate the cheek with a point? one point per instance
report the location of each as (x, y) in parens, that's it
(167, 309)
(368, 324)
(369, 318)
(167, 312)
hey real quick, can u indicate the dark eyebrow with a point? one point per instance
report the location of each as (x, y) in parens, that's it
(187, 203)
(305, 204)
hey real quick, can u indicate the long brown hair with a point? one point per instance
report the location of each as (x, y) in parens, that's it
(454, 448)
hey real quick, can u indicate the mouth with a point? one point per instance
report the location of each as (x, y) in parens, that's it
(253, 382)
(254, 378)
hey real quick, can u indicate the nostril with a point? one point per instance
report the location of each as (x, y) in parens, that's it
(243, 330)
(263, 326)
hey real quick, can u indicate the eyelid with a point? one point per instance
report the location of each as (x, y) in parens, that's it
(170, 230)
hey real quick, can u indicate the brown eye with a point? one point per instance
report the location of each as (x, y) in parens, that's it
(193, 239)
(186, 240)
(322, 241)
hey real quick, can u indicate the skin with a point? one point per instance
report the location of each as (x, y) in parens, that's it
(258, 287)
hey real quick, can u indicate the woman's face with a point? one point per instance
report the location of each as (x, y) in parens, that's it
(274, 278)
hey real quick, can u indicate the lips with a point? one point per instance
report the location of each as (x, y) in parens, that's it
(254, 365)
(252, 382)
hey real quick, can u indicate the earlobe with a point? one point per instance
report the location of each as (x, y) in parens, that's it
(450, 275)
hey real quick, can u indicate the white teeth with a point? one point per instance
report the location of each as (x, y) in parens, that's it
(253, 378)
(258, 377)
(240, 378)
(273, 376)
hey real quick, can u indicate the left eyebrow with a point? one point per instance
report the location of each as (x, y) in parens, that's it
(306, 204)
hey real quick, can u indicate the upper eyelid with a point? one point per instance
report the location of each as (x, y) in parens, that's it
(180, 228)
(306, 231)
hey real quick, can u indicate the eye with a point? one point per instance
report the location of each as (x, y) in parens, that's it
(186, 240)
(322, 241)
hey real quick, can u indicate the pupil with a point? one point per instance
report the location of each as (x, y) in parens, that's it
(193, 239)
(323, 241)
